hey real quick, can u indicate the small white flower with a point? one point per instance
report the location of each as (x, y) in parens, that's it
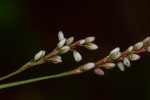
(130, 48)
(134, 57)
(138, 46)
(89, 39)
(115, 55)
(126, 62)
(99, 71)
(121, 66)
(64, 50)
(56, 59)
(39, 55)
(115, 50)
(91, 46)
(109, 65)
(88, 66)
(146, 40)
(61, 43)
(60, 36)
(82, 41)
(70, 41)
(77, 56)
(148, 49)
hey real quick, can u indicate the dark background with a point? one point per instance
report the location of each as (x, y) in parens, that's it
(27, 26)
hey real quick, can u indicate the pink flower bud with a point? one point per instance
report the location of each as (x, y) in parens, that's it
(99, 71)
(109, 65)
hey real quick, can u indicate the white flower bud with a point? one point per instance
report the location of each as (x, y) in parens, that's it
(148, 49)
(99, 71)
(115, 50)
(91, 46)
(130, 48)
(88, 66)
(77, 56)
(82, 41)
(64, 50)
(109, 65)
(146, 40)
(39, 55)
(126, 62)
(134, 57)
(56, 59)
(60, 36)
(61, 43)
(121, 66)
(115, 55)
(89, 39)
(70, 41)
(138, 46)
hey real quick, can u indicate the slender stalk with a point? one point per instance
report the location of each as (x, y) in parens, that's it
(36, 79)
(17, 71)
(41, 61)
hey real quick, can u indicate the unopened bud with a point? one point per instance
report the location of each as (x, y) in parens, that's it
(77, 56)
(88, 66)
(146, 40)
(134, 57)
(70, 41)
(126, 62)
(115, 50)
(61, 43)
(56, 59)
(60, 36)
(138, 46)
(82, 41)
(130, 49)
(91, 46)
(115, 55)
(39, 55)
(64, 50)
(109, 65)
(89, 39)
(121, 66)
(99, 71)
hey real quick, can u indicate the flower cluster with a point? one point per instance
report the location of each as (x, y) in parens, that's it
(64, 45)
(116, 58)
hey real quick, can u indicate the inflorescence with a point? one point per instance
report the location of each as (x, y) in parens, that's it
(114, 58)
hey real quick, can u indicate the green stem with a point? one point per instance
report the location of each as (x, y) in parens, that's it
(9, 75)
(36, 79)
(16, 72)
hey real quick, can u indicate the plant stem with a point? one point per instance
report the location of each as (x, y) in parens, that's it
(37, 79)
(24, 67)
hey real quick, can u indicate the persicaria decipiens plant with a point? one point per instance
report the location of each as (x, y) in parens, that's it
(115, 58)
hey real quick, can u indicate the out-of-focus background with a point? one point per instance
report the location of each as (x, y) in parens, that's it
(27, 26)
